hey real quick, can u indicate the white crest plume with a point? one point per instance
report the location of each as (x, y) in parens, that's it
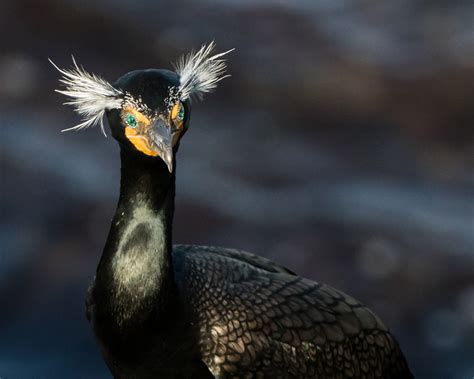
(199, 72)
(89, 94)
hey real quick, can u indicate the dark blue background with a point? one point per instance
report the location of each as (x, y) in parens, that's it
(341, 147)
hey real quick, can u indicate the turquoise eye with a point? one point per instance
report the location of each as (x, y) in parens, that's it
(131, 120)
(181, 113)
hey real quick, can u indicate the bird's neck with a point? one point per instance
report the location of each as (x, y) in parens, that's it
(134, 282)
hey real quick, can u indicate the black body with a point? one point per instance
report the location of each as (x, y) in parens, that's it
(160, 311)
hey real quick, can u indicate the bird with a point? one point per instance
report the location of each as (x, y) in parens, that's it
(160, 310)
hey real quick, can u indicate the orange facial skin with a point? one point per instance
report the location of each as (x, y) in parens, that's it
(140, 141)
(139, 135)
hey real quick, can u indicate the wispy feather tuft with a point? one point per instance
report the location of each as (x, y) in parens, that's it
(199, 72)
(89, 94)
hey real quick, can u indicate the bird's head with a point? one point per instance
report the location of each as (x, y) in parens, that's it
(148, 110)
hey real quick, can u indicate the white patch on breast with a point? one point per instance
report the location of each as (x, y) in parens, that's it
(136, 273)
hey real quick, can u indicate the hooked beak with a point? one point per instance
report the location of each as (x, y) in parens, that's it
(161, 137)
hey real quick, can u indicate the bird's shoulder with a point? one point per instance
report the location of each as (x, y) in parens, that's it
(226, 257)
(255, 315)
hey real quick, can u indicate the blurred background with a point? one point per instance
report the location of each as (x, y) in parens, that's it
(341, 147)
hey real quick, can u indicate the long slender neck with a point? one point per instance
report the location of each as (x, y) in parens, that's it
(134, 282)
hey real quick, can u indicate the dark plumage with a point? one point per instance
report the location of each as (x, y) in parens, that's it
(160, 311)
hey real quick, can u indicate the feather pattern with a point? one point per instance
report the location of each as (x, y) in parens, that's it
(89, 94)
(199, 72)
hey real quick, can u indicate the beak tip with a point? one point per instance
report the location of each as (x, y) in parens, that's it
(168, 159)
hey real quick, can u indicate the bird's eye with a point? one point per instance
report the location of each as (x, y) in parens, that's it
(181, 113)
(177, 113)
(131, 121)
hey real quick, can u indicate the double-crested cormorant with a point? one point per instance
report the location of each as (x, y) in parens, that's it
(164, 311)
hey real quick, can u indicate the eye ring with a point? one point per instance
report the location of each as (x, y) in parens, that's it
(131, 120)
(180, 115)
(178, 112)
